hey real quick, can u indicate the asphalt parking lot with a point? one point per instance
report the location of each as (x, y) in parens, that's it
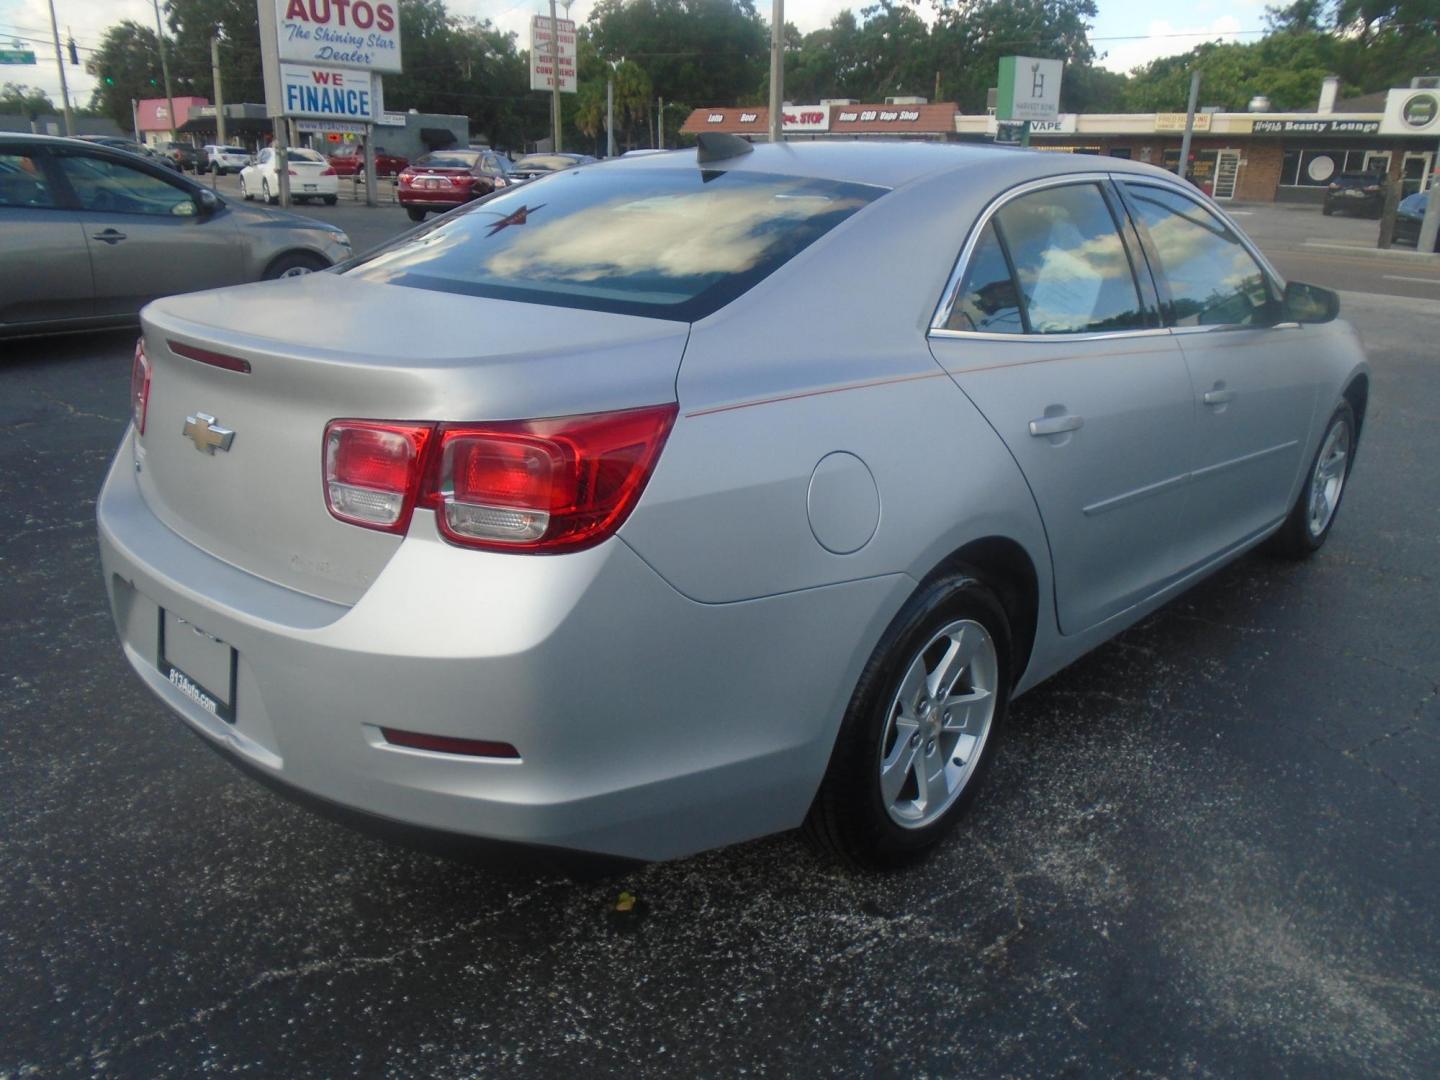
(1209, 848)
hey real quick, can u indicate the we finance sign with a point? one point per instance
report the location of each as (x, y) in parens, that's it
(344, 33)
(327, 93)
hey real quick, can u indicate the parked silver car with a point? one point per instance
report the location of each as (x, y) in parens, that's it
(669, 502)
(92, 234)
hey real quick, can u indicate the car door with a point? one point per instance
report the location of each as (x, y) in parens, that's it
(146, 234)
(44, 263)
(1254, 379)
(1052, 331)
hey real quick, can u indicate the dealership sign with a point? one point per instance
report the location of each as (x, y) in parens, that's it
(549, 49)
(327, 93)
(348, 33)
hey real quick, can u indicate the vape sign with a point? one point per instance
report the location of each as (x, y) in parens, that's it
(1029, 88)
(344, 33)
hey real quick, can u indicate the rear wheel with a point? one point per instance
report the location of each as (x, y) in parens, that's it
(415, 213)
(295, 264)
(265, 193)
(330, 200)
(920, 729)
(1310, 519)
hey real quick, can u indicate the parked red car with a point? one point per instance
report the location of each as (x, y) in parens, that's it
(444, 179)
(352, 162)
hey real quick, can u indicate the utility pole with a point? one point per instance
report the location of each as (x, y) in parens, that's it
(1430, 223)
(60, 63)
(660, 130)
(554, 81)
(777, 68)
(610, 116)
(219, 93)
(1189, 125)
(164, 67)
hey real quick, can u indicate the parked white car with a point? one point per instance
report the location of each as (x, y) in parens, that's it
(227, 159)
(311, 177)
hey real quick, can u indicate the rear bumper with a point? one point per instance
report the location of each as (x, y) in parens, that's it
(649, 725)
(434, 200)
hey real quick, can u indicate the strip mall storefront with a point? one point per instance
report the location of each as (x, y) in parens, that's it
(1259, 157)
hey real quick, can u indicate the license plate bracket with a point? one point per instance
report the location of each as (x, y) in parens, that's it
(199, 665)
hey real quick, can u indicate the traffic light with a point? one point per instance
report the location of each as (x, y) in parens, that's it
(109, 80)
(74, 53)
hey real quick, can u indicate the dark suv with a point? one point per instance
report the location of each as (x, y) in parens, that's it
(190, 158)
(1355, 193)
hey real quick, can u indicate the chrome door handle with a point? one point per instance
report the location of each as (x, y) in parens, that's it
(110, 236)
(1056, 425)
(1218, 397)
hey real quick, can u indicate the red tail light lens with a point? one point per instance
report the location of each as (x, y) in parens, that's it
(526, 485)
(544, 485)
(328, 172)
(139, 386)
(372, 471)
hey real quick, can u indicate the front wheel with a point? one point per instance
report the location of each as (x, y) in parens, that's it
(920, 729)
(295, 264)
(265, 193)
(244, 192)
(415, 213)
(1308, 525)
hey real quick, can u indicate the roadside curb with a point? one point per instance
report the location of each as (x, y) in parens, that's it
(1413, 258)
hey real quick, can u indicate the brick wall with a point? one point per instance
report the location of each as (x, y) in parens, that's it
(1260, 173)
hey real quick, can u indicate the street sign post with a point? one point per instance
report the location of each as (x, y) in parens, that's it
(17, 56)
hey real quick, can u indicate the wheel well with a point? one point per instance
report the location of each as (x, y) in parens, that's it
(1358, 395)
(1005, 566)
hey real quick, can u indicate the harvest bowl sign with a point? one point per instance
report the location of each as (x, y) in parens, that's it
(347, 33)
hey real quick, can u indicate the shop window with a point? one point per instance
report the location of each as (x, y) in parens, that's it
(1120, 152)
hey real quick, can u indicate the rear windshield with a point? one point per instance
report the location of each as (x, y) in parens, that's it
(663, 243)
(552, 162)
(450, 159)
(297, 154)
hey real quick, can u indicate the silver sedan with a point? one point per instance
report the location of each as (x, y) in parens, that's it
(92, 234)
(682, 499)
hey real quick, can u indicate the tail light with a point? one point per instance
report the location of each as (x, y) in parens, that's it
(139, 386)
(329, 172)
(540, 486)
(372, 471)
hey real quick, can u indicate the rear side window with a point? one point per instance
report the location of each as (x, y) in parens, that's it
(987, 300)
(1212, 279)
(1070, 263)
(22, 181)
(664, 243)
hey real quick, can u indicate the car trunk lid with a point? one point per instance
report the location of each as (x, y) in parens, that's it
(325, 347)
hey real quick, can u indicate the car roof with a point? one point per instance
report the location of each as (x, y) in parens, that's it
(891, 163)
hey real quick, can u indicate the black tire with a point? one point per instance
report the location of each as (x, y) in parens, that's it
(849, 819)
(1327, 209)
(415, 213)
(1296, 538)
(331, 200)
(294, 261)
(273, 200)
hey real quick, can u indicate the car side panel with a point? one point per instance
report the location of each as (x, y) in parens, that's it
(44, 267)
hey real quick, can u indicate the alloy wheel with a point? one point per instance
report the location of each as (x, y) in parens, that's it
(1328, 480)
(938, 723)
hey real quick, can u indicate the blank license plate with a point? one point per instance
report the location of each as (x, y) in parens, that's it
(199, 665)
(312, 187)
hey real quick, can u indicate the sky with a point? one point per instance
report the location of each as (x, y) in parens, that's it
(1124, 33)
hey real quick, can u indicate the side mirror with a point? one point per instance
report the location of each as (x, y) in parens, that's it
(1310, 303)
(207, 202)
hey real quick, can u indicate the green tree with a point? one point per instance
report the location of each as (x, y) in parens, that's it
(19, 98)
(633, 93)
(126, 67)
(972, 35)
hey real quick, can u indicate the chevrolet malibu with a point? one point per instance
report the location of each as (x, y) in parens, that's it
(682, 499)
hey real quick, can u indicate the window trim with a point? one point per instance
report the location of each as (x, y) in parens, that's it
(1152, 255)
(1103, 180)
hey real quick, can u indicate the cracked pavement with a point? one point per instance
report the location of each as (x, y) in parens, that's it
(1208, 848)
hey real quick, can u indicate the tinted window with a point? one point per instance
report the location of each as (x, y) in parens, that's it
(450, 159)
(552, 162)
(22, 182)
(987, 299)
(668, 243)
(1073, 271)
(298, 154)
(110, 187)
(1213, 280)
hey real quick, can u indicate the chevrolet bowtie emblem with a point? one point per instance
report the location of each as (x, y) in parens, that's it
(207, 435)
